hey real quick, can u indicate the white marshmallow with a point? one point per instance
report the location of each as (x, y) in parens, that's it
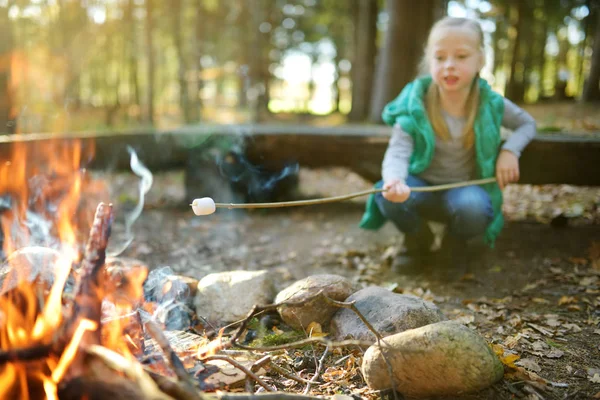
(204, 206)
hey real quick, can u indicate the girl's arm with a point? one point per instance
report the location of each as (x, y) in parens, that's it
(524, 129)
(397, 156)
(521, 123)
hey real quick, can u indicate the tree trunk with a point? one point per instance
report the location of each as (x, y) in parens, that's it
(177, 27)
(591, 89)
(363, 65)
(151, 60)
(402, 49)
(521, 57)
(259, 59)
(134, 85)
(7, 120)
(498, 38)
(541, 55)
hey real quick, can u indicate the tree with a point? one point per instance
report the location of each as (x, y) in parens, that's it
(402, 49)
(591, 89)
(363, 63)
(151, 61)
(7, 123)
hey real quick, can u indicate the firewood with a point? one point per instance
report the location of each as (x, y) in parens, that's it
(133, 370)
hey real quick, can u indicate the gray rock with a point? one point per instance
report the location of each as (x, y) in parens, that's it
(228, 296)
(317, 310)
(441, 359)
(387, 312)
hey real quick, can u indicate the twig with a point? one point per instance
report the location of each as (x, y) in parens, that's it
(241, 368)
(173, 388)
(287, 374)
(301, 343)
(256, 366)
(262, 396)
(317, 372)
(154, 330)
(350, 305)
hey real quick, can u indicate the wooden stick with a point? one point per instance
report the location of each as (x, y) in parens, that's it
(324, 200)
(26, 354)
(132, 369)
(174, 361)
(241, 368)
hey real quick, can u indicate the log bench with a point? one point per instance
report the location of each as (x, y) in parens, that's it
(548, 159)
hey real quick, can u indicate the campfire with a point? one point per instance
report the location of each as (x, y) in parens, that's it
(79, 323)
(70, 322)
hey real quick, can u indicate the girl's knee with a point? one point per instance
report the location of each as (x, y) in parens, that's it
(470, 211)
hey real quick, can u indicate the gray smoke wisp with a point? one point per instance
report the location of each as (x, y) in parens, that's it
(170, 296)
(146, 180)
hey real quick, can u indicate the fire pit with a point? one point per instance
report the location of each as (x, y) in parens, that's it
(76, 323)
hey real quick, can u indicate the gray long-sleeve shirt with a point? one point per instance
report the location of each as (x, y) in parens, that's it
(451, 161)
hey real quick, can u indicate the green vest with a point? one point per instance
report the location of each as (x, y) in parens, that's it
(408, 111)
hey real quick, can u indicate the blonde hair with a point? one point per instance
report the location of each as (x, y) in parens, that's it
(432, 99)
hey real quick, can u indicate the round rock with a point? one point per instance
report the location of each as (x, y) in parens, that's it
(441, 359)
(317, 310)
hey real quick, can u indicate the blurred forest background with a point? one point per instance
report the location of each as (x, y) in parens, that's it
(72, 65)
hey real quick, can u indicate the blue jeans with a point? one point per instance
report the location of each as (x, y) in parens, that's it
(466, 211)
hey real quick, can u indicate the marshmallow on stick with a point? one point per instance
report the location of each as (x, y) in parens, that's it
(207, 206)
(204, 206)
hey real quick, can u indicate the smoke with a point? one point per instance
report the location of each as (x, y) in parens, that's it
(146, 180)
(171, 296)
(256, 182)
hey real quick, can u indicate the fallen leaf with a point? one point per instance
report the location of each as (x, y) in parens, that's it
(578, 260)
(595, 378)
(496, 268)
(529, 364)
(539, 345)
(541, 329)
(573, 327)
(314, 330)
(555, 353)
(539, 300)
(567, 300)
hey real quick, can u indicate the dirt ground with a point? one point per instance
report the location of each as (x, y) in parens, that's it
(535, 297)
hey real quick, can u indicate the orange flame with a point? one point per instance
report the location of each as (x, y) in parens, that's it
(45, 182)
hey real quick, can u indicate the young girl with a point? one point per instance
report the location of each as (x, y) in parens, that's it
(446, 128)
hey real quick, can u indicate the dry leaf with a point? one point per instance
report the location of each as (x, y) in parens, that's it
(555, 353)
(529, 364)
(567, 300)
(573, 327)
(539, 300)
(314, 330)
(595, 378)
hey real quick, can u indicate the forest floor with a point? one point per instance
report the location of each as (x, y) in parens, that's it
(535, 297)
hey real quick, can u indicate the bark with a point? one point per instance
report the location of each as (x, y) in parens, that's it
(363, 65)
(591, 90)
(150, 58)
(133, 62)
(521, 57)
(7, 120)
(402, 50)
(177, 27)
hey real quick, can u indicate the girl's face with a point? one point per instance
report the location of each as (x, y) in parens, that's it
(454, 59)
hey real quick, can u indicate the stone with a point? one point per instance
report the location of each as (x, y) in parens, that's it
(229, 296)
(441, 359)
(317, 310)
(389, 313)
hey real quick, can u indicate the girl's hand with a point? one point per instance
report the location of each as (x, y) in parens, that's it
(507, 168)
(396, 191)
